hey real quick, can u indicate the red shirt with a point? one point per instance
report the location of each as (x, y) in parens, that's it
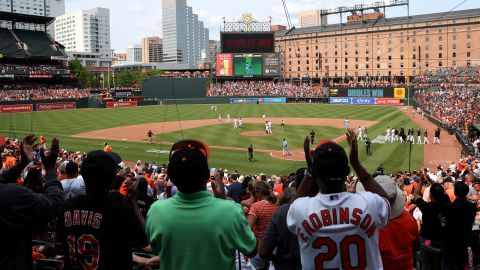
(396, 242)
(263, 211)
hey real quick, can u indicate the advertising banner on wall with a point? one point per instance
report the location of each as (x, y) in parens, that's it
(363, 101)
(121, 104)
(389, 101)
(259, 100)
(359, 92)
(336, 100)
(224, 65)
(16, 108)
(271, 64)
(55, 106)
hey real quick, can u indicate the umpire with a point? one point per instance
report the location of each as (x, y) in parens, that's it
(250, 153)
(368, 144)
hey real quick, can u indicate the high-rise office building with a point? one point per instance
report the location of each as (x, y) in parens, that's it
(152, 50)
(87, 34)
(184, 36)
(48, 8)
(312, 17)
(134, 54)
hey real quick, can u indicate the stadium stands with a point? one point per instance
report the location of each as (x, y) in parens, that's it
(39, 44)
(9, 45)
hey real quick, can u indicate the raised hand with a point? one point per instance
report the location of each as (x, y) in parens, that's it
(352, 142)
(27, 148)
(308, 152)
(49, 161)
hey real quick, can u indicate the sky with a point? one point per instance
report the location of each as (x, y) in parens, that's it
(132, 20)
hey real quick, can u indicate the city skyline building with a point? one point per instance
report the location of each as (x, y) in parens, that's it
(312, 17)
(184, 35)
(134, 53)
(86, 35)
(152, 50)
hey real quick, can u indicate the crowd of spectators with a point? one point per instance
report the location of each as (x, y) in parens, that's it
(454, 105)
(36, 69)
(44, 94)
(266, 88)
(76, 206)
(453, 75)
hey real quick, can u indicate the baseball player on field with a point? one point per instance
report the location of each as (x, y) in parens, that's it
(337, 229)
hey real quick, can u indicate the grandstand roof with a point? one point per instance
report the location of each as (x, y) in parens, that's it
(25, 18)
(468, 13)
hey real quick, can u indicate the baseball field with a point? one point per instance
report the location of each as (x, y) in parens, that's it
(125, 129)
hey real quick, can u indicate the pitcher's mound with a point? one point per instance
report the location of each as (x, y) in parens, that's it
(254, 134)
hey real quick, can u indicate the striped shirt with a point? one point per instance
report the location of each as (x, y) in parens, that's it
(263, 211)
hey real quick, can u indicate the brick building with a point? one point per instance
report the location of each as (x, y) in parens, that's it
(385, 48)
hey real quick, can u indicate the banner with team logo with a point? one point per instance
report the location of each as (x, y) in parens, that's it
(121, 104)
(399, 92)
(16, 108)
(55, 106)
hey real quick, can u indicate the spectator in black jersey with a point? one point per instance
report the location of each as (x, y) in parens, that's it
(23, 212)
(99, 233)
(143, 200)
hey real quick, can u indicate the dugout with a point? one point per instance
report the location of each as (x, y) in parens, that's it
(174, 88)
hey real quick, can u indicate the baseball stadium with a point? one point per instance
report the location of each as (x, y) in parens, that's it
(283, 116)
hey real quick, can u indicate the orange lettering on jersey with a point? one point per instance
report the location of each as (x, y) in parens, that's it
(315, 220)
(334, 212)
(300, 234)
(76, 217)
(356, 216)
(67, 216)
(327, 220)
(344, 215)
(307, 227)
(366, 222)
(84, 217)
(90, 216)
(97, 218)
(371, 230)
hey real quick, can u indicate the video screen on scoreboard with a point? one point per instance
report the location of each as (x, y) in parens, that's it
(224, 65)
(271, 64)
(247, 65)
(260, 42)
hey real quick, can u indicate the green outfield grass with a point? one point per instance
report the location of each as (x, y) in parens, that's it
(62, 124)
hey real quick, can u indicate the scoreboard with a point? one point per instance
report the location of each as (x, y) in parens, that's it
(248, 42)
(248, 65)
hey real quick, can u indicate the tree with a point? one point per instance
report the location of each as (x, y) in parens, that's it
(131, 78)
(84, 78)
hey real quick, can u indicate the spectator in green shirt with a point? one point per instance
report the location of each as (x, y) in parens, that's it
(193, 229)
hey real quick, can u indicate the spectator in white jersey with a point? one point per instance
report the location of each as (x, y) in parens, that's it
(338, 229)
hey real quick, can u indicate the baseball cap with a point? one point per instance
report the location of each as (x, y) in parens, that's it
(394, 194)
(476, 180)
(448, 179)
(100, 154)
(330, 158)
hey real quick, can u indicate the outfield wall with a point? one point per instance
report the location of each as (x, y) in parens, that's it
(174, 88)
(243, 100)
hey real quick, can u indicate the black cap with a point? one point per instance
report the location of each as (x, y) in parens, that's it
(448, 179)
(476, 180)
(330, 158)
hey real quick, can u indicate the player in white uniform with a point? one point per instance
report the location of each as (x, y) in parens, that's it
(359, 135)
(337, 229)
(240, 123)
(235, 123)
(346, 123)
(285, 148)
(269, 127)
(220, 117)
(266, 127)
(228, 117)
(387, 135)
(264, 116)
